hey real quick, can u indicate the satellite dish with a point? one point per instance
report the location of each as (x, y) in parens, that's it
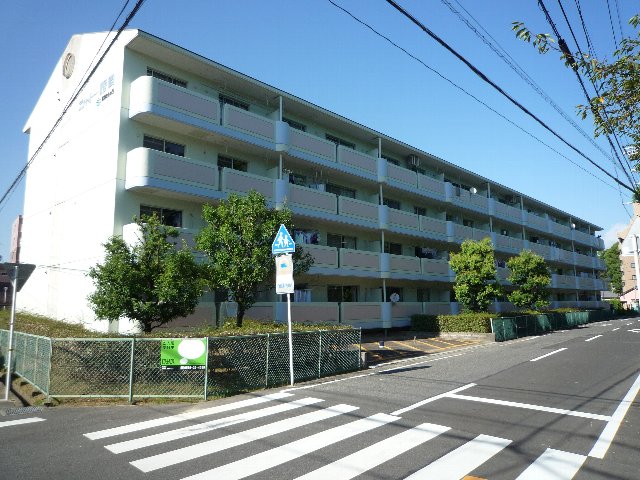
(394, 297)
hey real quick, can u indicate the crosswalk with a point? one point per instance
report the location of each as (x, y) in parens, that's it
(300, 428)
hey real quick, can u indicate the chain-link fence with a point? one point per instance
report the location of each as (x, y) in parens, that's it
(509, 328)
(132, 367)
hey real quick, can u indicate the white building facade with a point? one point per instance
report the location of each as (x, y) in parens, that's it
(161, 129)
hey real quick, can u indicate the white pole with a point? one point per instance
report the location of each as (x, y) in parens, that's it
(637, 267)
(290, 337)
(11, 322)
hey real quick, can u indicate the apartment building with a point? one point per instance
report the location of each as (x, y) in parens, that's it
(630, 295)
(161, 129)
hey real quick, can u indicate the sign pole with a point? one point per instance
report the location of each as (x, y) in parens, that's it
(290, 338)
(7, 379)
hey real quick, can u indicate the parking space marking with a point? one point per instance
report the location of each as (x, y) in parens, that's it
(606, 437)
(615, 329)
(548, 354)
(432, 346)
(592, 338)
(404, 344)
(529, 406)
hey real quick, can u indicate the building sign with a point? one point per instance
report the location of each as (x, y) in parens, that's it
(284, 274)
(183, 354)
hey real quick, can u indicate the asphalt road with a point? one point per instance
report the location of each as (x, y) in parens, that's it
(558, 406)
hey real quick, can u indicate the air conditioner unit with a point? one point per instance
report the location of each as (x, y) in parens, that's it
(413, 161)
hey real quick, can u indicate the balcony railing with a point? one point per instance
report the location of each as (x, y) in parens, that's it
(323, 256)
(359, 160)
(241, 182)
(311, 144)
(313, 199)
(147, 92)
(154, 169)
(431, 185)
(403, 219)
(563, 281)
(404, 264)
(508, 244)
(350, 207)
(505, 211)
(252, 123)
(537, 222)
(402, 175)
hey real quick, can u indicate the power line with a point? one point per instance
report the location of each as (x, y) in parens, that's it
(501, 91)
(592, 51)
(626, 167)
(77, 92)
(455, 85)
(502, 54)
(613, 30)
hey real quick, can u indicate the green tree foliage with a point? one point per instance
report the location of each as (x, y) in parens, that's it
(476, 285)
(613, 273)
(151, 282)
(615, 109)
(237, 239)
(530, 276)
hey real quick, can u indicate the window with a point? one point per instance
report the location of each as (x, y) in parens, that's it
(301, 236)
(633, 277)
(426, 252)
(391, 203)
(233, 163)
(340, 190)
(342, 293)
(293, 124)
(171, 218)
(633, 265)
(391, 160)
(340, 141)
(163, 145)
(424, 295)
(341, 241)
(297, 179)
(393, 248)
(504, 232)
(226, 100)
(467, 223)
(420, 211)
(167, 78)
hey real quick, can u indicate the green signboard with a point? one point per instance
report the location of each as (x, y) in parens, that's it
(183, 354)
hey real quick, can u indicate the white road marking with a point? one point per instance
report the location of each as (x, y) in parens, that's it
(135, 427)
(196, 429)
(548, 354)
(363, 460)
(553, 465)
(277, 456)
(432, 399)
(463, 460)
(174, 457)
(528, 406)
(606, 437)
(592, 338)
(22, 421)
(615, 329)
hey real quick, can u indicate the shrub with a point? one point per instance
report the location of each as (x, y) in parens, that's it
(474, 322)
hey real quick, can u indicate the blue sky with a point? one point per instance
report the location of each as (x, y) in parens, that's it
(311, 49)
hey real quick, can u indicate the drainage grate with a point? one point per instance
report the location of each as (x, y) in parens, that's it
(22, 410)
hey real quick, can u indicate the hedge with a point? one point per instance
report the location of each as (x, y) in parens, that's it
(464, 322)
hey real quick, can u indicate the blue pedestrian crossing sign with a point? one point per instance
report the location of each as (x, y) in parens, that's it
(283, 243)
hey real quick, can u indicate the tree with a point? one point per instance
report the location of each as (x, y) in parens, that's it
(616, 106)
(151, 282)
(613, 273)
(476, 285)
(530, 275)
(237, 239)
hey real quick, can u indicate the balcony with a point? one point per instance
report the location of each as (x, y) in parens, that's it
(586, 261)
(434, 186)
(502, 274)
(234, 181)
(586, 283)
(360, 260)
(152, 170)
(457, 233)
(465, 199)
(323, 256)
(248, 122)
(150, 96)
(358, 209)
(358, 160)
(402, 175)
(505, 243)
(312, 199)
(304, 145)
(537, 222)
(436, 269)
(504, 211)
(586, 239)
(560, 230)
(433, 226)
(403, 220)
(542, 250)
(563, 256)
(567, 282)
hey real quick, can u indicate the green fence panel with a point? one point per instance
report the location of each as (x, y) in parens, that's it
(31, 357)
(504, 328)
(543, 323)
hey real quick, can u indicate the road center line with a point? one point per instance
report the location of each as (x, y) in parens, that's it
(592, 338)
(606, 437)
(528, 406)
(432, 399)
(548, 354)
(615, 329)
